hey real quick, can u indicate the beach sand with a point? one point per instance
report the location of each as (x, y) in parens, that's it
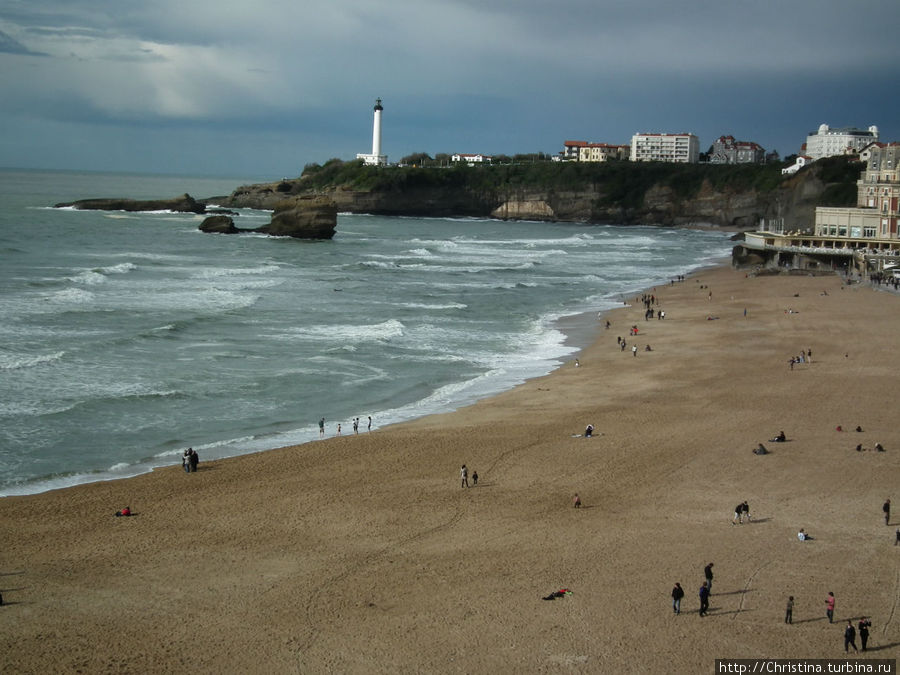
(362, 554)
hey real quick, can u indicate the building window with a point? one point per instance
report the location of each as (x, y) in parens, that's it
(868, 231)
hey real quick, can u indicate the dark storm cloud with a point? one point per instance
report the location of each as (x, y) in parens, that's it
(456, 75)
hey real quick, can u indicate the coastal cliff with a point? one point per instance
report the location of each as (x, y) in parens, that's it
(730, 197)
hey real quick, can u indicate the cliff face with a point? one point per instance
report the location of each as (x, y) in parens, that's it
(794, 200)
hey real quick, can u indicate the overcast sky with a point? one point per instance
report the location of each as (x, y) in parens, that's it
(241, 88)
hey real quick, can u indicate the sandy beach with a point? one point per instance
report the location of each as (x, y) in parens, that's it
(363, 554)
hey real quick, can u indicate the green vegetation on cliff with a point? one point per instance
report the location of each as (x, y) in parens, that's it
(620, 183)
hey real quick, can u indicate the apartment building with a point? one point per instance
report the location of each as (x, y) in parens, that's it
(682, 148)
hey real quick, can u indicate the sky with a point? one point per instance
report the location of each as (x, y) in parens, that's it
(261, 88)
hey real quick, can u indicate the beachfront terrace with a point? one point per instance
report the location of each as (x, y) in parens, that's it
(804, 250)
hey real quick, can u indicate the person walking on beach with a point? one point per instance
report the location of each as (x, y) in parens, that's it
(634, 350)
(677, 595)
(474, 478)
(576, 502)
(186, 460)
(194, 460)
(863, 626)
(887, 512)
(850, 636)
(704, 599)
(339, 429)
(789, 610)
(738, 514)
(369, 428)
(355, 425)
(829, 607)
(708, 573)
(321, 427)
(464, 476)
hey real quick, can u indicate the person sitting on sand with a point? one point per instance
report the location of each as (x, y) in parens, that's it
(124, 512)
(589, 431)
(802, 535)
(647, 349)
(780, 438)
(879, 447)
(761, 450)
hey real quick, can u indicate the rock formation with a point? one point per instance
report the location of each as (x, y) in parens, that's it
(742, 209)
(183, 204)
(303, 218)
(300, 217)
(219, 225)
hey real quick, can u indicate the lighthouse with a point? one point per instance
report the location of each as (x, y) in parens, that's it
(376, 158)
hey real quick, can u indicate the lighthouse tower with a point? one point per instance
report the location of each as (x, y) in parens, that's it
(376, 158)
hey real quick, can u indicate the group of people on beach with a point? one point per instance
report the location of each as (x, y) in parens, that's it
(464, 477)
(189, 460)
(704, 593)
(804, 357)
(338, 433)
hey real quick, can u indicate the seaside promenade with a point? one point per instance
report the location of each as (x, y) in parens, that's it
(362, 554)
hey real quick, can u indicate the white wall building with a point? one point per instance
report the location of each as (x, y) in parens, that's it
(471, 159)
(799, 163)
(682, 148)
(828, 142)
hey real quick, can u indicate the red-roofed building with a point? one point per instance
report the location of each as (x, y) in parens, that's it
(726, 150)
(583, 151)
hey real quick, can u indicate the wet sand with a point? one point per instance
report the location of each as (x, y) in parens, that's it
(363, 554)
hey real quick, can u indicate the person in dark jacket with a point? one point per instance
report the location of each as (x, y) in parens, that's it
(850, 636)
(704, 599)
(677, 595)
(864, 625)
(194, 460)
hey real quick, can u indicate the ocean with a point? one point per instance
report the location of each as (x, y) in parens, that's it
(125, 338)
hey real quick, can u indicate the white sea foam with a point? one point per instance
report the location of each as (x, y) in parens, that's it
(425, 305)
(338, 333)
(14, 361)
(73, 296)
(216, 272)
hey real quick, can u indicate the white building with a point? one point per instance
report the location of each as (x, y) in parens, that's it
(799, 163)
(682, 148)
(375, 158)
(471, 159)
(827, 142)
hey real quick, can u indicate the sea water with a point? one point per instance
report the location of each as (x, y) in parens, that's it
(127, 337)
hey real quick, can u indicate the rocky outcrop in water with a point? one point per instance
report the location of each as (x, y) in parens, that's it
(300, 218)
(303, 218)
(183, 204)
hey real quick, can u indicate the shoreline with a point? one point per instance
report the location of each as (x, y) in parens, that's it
(579, 330)
(300, 559)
